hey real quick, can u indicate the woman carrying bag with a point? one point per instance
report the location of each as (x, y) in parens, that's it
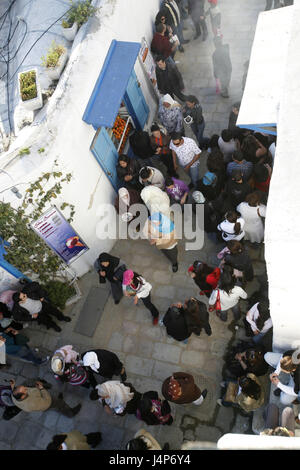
(135, 285)
(111, 268)
(153, 411)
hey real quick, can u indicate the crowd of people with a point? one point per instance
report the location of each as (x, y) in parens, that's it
(234, 193)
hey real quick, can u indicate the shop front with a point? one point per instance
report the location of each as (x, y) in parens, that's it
(116, 107)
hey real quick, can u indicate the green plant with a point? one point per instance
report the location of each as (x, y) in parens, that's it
(28, 88)
(52, 58)
(41, 150)
(59, 292)
(27, 251)
(24, 151)
(80, 12)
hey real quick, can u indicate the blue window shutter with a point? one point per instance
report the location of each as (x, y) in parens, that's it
(106, 155)
(135, 102)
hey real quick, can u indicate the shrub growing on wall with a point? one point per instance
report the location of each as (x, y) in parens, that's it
(27, 251)
(28, 87)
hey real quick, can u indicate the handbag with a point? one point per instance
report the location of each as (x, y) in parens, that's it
(217, 305)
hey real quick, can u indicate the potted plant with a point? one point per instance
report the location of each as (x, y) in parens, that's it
(77, 15)
(55, 60)
(30, 90)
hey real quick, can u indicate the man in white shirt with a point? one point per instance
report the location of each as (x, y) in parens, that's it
(227, 144)
(187, 152)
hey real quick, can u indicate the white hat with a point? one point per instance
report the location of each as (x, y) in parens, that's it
(198, 197)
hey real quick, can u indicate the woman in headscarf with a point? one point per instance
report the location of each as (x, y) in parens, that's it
(111, 268)
(118, 398)
(156, 200)
(104, 363)
(125, 199)
(160, 231)
(67, 368)
(205, 277)
(181, 388)
(136, 286)
(170, 114)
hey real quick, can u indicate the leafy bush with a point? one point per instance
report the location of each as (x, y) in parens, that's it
(59, 292)
(54, 53)
(28, 88)
(80, 12)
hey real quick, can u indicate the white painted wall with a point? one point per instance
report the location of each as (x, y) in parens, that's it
(282, 223)
(61, 131)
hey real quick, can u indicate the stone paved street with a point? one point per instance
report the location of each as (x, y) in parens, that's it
(149, 355)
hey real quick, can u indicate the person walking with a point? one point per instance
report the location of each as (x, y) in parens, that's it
(75, 440)
(154, 411)
(16, 345)
(238, 258)
(180, 388)
(36, 398)
(161, 44)
(66, 366)
(193, 112)
(196, 12)
(160, 231)
(111, 268)
(204, 276)
(215, 17)
(104, 363)
(222, 66)
(169, 79)
(186, 151)
(134, 285)
(156, 200)
(227, 294)
(232, 227)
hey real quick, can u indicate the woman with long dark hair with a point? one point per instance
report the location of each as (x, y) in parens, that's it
(239, 260)
(111, 268)
(134, 285)
(128, 172)
(232, 227)
(204, 276)
(228, 294)
(258, 321)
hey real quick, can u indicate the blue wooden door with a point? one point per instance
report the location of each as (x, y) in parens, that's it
(106, 155)
(135, 102)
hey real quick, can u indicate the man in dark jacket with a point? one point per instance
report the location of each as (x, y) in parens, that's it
(196, 12)
(222, 66)
(169, 79)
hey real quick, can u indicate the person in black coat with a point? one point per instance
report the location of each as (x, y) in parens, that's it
(152, 410)
(34, 291)
(181, 320)
(239, 259)
(196, 12)
(140, 144)
(222, 65)
(169, 79)
(128, 172)
(104, 363)
(110, 268)
(235, 192)
(7, 324)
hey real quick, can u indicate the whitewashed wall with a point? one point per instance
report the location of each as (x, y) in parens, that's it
(63, 134)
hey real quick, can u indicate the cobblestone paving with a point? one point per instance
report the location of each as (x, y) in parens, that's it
(147, 352)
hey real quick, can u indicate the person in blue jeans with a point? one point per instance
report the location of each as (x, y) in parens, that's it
(19, 350)
(193, 115)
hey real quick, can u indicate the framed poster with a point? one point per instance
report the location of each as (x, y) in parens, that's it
(54, 229)
(148, 63)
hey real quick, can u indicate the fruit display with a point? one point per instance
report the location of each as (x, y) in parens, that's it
(118, 130)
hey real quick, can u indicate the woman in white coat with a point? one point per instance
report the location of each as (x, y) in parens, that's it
(252, 212)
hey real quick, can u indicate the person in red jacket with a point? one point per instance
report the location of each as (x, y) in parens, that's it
(205, 277)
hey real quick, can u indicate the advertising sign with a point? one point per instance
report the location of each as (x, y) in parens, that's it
(148, 63)
(54, 229)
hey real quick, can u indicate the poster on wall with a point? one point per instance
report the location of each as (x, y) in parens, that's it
(148, 63)
(54, 229)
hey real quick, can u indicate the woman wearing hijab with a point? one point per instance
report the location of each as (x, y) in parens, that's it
(111, 268)
(205, 277)
(160, 231)
(104, 363)
(156, 200)
(170, 114)
(125, 199)
(67, 368)
(118, 398)
(135, 285)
